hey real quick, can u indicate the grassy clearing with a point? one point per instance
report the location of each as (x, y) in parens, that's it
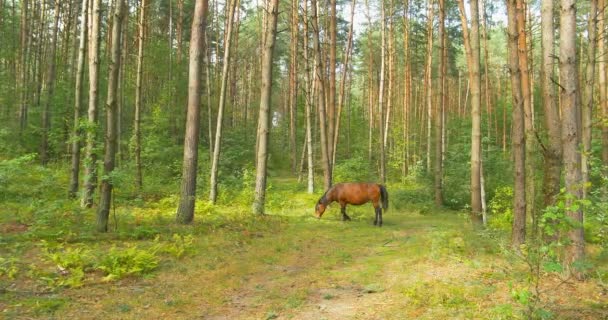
(424, 263)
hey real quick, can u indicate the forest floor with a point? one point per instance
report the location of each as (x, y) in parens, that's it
(422, 264)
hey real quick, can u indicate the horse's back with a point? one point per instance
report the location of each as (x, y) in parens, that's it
(357, 193)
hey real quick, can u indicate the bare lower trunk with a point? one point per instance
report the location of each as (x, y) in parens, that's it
(138, 103)
(103, 212)
(264, 115)
(517, 137)
(575, 251)
(185, 210)
(587, 106)
(75, 168)
(90, 172)
(553, 149)
(220, 110)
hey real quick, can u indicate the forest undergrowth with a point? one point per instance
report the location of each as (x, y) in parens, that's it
(425, 262)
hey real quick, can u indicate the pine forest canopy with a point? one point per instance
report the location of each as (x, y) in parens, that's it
(207, 99)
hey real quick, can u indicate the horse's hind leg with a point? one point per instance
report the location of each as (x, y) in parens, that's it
(379, 210)
(376, 216)
(345, 217)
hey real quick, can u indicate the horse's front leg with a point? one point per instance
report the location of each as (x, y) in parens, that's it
(345, 217)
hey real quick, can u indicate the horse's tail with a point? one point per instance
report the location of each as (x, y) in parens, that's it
(384, 197)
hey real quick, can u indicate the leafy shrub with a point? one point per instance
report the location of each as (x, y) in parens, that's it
(120, 263)
(501, 209)
(353, 169)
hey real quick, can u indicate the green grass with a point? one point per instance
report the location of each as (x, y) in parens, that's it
(423, 263)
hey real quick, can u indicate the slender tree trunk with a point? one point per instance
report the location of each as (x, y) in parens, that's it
(391, 74)
(602, 83)
(528, 110)
(309, 94)
(50, 87)
(264, 115)
(575, 251)
(75, 168)
(553, 149)
(331, 98)
(220, 109)
(90, 169)
(429, 82)
(472, 49)
(407, 88)
(24, 51)
(341, 98)
(293, 84)
(138, 97)
(327, 176)
(517, 137)
(381, 95)
(439, 108)
(587, 107)
(103, 212)
(185, 211)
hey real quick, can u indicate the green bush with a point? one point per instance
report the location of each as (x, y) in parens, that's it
(501, 209)
(353, 169)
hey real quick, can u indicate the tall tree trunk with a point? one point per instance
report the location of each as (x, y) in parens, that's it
(575, 251)
(528, 111)
(440, 107)
(264, 115)
(50, 87)
(90, 169)
(327, 176)
(138, 97)
(293, 84)
(381, 94)
(587, 107)
(331, 98)
(341, 98)
(220, 109)
(602, 83)
(309, 93)
(370, 85)
(553, 149)
(103, 212)
(24, 51)
(75, 168)
(185, 211)
(517, 137)
(429, 82)
(406, 88)
(391, 74)
(472, 48)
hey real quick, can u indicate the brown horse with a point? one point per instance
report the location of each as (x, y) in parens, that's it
(357, 194)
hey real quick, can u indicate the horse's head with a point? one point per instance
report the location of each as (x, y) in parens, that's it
(320, 209)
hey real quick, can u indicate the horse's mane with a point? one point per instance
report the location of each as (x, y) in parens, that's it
(323, 199)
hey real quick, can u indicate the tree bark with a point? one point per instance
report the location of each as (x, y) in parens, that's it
(293, 84)
(309, 94)
(472, 47)
(341, 98)
(517, 137)
(429, 82)
(575, 251)
(327, 175)
(587, 107)
(522, 47)
(103, 212)
(440, 107)
(220, 109)
(185, 210)
(75, 168)
(553, 149)
(381, 94)
(602, 83)
(264, 115)
(90, 172)
(138, 98)
(50, 87)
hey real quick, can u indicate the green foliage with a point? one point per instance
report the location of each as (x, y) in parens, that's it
(501, 209)
(355, 169)
(120, 263)
(9, 267)
(178, 246)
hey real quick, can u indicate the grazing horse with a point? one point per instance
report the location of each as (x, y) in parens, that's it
(357, 194)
